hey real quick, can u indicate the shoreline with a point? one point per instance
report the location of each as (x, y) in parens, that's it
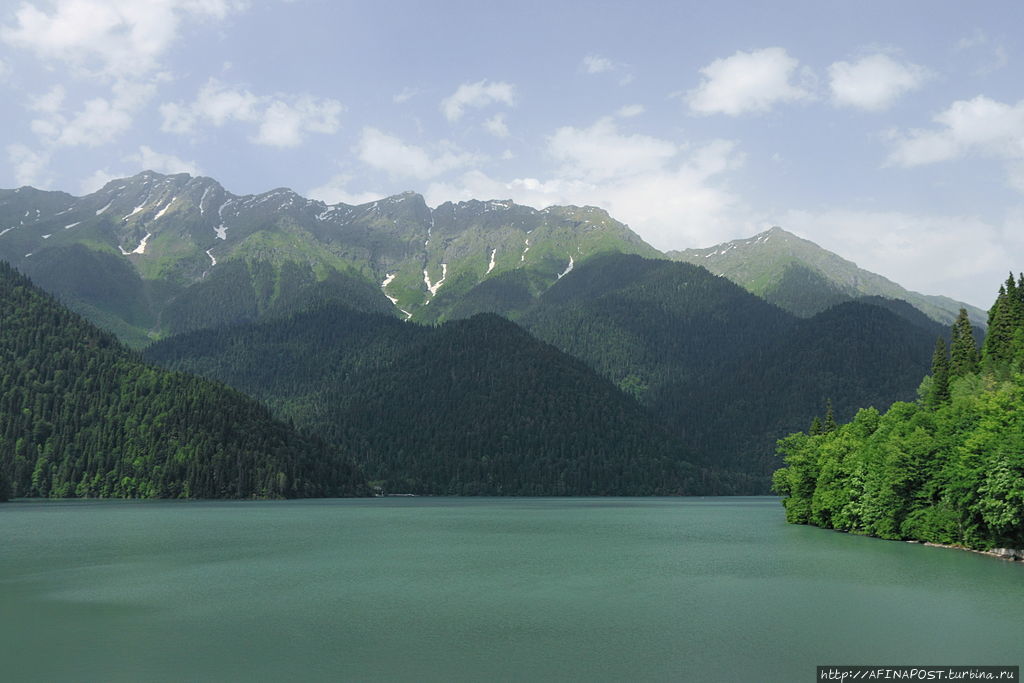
(1008, 554)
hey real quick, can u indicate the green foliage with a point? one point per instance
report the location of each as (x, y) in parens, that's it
(725, 371)
(81, 416)
(1003, 349)
(472, 407)
(949, 469)
(938, 389)
(963, 352)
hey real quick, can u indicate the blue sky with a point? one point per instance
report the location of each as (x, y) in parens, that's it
(890, 133)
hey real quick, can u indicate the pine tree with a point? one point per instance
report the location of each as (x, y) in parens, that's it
(963, 350)
(1000, 332)
(1005, 318)
(815, 429)
(940, 375)
(829, 425)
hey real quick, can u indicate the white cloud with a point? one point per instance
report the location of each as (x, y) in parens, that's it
(283, 124)
(149, 160)
(97, 180)
(496, 126)
(595, 64)
(601, 152)
(671, 198)
(5, 70)
(49, 102)
(747, 82)
(335, 191)
(100, 120)
(925, 253)
(283, 120)
(997, 57)
(110, 38)
(479, 94)
(404, 96)
(630, 110)
(981, 127)
(145, 159)
(30, 166)
(389, 153)
(177, 118)
(874, 82)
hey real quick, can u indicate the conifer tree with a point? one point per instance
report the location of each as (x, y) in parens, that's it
(999, 335)
(963, 350)
(940, 375)
(815, 429)
(829, 425)
(1005, 318)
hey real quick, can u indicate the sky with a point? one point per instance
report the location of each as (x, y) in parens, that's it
(889, 133)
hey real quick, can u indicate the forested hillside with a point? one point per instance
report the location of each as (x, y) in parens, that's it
(725, 371)
(948, 468)
(81, 416)
(471, 407)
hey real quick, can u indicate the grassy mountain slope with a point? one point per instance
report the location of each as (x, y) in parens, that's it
(176, 253)
(82, 416)
(801, 277)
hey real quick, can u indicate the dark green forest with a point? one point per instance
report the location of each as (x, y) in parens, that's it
(947, 468)
(82, 416)
(725, 371)
(471, 407)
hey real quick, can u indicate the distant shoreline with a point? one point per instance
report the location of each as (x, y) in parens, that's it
(1008, 554)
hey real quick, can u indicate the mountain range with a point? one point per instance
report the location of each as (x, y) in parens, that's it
(154, 255)
(609, 367)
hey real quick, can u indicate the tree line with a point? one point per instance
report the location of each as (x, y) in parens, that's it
(947, 468)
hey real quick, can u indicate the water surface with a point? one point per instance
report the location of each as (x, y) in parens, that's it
(476, 589)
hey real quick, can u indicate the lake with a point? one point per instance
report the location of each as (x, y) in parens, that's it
(480, 589)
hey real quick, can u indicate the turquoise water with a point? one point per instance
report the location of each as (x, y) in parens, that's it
(480, 589)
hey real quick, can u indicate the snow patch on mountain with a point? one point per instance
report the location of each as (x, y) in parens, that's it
(141, 249)
(213, 261)
(490, 266)
(432, 288)
(99, 211)
(6, 230)
(522, 259)
(383, 285)
(568, 269)
(222, 230)
(138, 208)
(202, 199)
(162, 211)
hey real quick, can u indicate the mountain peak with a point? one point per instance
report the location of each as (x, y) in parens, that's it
(804, 278)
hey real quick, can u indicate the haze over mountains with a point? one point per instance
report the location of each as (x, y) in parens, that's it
(658, 376)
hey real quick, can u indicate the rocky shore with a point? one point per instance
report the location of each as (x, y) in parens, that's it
(1011, 554)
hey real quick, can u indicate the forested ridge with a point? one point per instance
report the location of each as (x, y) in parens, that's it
(948, 468)
(82, 416)
(470, 407)
(725, 371)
